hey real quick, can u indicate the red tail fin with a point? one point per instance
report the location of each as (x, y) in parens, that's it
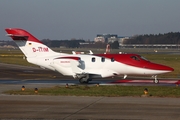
(28, 44)
(20, 34)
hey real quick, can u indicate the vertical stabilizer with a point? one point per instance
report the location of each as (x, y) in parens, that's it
(29, 45)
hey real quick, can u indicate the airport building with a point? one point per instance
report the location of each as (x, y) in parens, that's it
(106, 38)
(109, 38)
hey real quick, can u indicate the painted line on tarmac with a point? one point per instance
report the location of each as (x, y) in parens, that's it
(146, 81)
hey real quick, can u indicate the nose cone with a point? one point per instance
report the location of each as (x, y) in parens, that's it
(159, 67)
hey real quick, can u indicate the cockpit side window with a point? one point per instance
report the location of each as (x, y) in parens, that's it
(135, 58)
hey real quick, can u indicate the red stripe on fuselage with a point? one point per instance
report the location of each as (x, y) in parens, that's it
(136, 61)
(73, 58)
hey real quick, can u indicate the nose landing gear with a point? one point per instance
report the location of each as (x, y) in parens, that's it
(155, 79)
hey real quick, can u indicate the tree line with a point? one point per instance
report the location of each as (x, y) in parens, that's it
(167, 38)
(76, 44)
(63, 43)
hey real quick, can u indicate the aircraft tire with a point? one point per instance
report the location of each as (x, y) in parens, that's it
(156, 81)
(83, 80)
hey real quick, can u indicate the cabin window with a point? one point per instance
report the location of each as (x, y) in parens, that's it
(102, 59)
(112, 60)
(93, 59)
(135, 58)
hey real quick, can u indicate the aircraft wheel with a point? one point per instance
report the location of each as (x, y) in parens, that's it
(83, 80)
(156, 81)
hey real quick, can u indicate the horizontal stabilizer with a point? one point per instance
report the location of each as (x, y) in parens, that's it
(17, 37)
(12, 35)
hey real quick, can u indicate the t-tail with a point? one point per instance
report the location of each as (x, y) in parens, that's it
(29, 45)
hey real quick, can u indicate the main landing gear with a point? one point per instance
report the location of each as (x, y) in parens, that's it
(155, 79)
(84, 80)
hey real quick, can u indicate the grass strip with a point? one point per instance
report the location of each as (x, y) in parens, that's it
(108, 91)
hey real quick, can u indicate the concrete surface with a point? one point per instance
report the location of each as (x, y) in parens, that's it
(72, 107)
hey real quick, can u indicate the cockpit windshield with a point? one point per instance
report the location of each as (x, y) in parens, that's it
(144, 58)
(135, 58)
(138, 58)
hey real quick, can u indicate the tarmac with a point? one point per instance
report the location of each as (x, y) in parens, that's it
(76, 107)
